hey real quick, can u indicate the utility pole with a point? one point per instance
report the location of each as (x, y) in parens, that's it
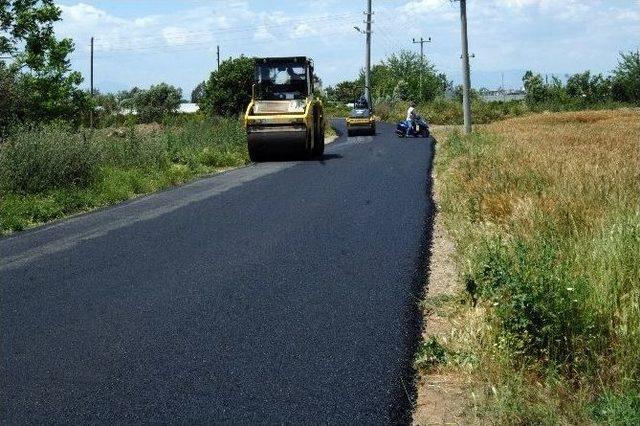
(367, 73)
(91, 89)
(367, 61)
(466, 77)
(218, 52)
(422, 42)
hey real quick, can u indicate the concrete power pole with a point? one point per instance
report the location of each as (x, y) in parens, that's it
(367, 72)
(466, 78)
(422, 42)
(91, 84)
(218, 53)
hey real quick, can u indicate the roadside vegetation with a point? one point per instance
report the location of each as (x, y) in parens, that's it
(544, 211)
(52, 170)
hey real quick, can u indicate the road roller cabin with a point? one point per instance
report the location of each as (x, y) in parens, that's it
(284, 119)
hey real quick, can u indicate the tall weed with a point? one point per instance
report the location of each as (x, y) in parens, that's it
(46, 157)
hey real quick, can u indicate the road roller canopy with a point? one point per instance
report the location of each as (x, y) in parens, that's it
(284, 78)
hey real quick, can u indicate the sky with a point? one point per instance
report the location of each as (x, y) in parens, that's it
(145, 42)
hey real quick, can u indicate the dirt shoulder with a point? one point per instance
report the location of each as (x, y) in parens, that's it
(442, 392)
(442, 396)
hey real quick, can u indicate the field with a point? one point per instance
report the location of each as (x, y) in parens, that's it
(544, 211)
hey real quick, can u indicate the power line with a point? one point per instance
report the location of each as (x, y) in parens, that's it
(224, 31)
(164, 46)
(389, 44)
(197, 43)
(187, 47)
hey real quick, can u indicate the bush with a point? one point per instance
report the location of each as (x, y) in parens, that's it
(430, 354)
(157, 102)
(534, 298)
(228, 90)
(133, 150)
(46, 157)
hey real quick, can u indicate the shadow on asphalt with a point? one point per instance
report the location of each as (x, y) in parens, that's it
(274, 158)
(329, 157)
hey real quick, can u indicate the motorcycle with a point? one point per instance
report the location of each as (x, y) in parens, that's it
(420, 128)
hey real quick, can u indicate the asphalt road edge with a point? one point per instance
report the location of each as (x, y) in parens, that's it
(408, 386)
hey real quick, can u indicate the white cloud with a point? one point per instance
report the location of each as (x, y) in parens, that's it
(175, 36)
(303, 29)
(518, 3)
(83, 13)
(424, 5)
(421, 13)
(263, 34)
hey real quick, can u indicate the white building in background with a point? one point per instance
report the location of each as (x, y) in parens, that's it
(185, 108)
(502, 95)
(188, 108)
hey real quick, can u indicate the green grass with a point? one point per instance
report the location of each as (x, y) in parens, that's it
(53, 171)
(544, 213)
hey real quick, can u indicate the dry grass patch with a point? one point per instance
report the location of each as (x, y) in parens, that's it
(545, 214)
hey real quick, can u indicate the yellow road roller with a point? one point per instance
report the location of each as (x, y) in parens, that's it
(284, 119)
(360, 119)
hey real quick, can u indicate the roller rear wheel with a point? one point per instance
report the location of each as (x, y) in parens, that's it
(318, 148)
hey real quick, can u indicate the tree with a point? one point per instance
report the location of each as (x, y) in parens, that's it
(197, 94)
(626, 78)
(107, 103)
(398, 78)
(345, 91)
(557, 91)
(447, 85)
(228, 90)
(126, 98)
(588, 88)
(158, 101)
(40, 67)
(536, 90)
(9, 99)
(407, 66)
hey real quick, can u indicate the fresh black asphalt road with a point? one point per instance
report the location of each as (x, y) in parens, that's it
(275, 293)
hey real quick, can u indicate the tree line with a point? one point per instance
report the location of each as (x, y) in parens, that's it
(404, 76)
(623, 85)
